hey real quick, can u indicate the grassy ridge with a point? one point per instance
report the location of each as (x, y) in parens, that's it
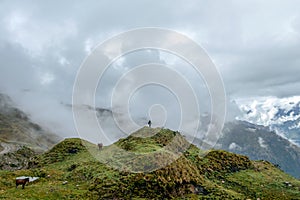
(194, 175)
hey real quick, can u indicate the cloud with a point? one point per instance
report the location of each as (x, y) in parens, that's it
(254, 44)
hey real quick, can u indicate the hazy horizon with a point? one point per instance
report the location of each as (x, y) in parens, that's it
(253, 44)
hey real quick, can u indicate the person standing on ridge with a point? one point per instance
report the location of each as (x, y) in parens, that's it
(149, 123)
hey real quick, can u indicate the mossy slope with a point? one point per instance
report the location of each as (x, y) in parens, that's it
(194, 175)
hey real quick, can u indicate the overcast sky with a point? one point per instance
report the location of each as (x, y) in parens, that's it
(254, 44)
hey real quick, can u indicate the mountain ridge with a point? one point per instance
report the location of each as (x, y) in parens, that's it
(259, 143)
(17, 133)
(69, 170)
(17, 127)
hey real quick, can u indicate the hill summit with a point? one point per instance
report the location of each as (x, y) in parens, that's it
(73, 170)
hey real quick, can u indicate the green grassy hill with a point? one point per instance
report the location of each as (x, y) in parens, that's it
(195, 174)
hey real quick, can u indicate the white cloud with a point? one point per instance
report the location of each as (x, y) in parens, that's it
(263, 110)
(255, 45)
(35, 34)
(234, 146)
(47, 78)
(262, 143)
(63, 61)
(88, 45)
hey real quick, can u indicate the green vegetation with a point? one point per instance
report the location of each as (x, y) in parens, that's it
(17, 159)
(194, 175)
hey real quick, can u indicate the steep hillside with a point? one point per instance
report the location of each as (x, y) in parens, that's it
(68, 171)
(16, 128)
(258, 143)
(20, 138)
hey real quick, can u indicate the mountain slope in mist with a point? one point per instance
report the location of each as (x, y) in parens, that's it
(259, 143)
(17, 129)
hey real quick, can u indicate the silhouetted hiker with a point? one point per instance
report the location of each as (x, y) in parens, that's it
(149, 123)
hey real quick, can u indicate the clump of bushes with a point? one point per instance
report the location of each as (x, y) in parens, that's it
(59, 152)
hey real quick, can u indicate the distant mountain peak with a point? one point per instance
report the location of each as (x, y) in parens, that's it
(280, 114)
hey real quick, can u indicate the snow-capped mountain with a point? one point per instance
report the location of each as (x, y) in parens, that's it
(281, 114)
